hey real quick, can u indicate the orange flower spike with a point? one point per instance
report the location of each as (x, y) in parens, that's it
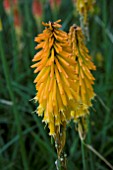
(7, 5)
(53, 3)
(83, 67)
(56, 71)
(17, 20)
(37, 8)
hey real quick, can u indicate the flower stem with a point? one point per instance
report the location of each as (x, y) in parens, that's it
(63, 163)
(83, 155)
(92, 166)
(14, 42)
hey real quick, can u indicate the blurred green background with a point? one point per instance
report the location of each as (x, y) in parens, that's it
(24, 140)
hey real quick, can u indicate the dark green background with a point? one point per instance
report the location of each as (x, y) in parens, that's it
(34, 150)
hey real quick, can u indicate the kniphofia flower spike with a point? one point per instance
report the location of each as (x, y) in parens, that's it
(83, 67)
(84, 7)
(56, 90)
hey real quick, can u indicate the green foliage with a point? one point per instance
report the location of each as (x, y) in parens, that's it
(24, 141)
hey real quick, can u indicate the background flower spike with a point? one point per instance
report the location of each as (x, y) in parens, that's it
(84, 8)
(84, 77)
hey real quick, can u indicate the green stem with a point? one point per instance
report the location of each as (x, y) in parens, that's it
(83, 156)
(55, 11)
(63, 164)
(107, 73)
(89, 141)
(25, 52)
(14, 43)
(12, 96)
(29, 24)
